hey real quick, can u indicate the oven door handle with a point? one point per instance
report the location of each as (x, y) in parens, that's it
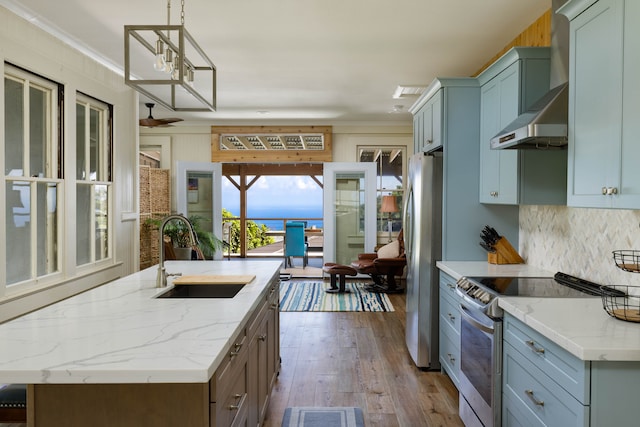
(465, 312)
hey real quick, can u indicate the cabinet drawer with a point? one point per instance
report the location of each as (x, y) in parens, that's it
(234, 362)
(448, 286)
(232, 404)
(450, 357)
(537, 394)
(449, 317)
(516, 414)
(567, 370)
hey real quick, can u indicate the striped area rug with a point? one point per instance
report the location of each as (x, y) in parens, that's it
(310, 296)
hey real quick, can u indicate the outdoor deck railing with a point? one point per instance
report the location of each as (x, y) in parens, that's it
(272, 224)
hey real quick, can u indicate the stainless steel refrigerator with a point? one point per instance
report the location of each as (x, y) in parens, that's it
(422, 223)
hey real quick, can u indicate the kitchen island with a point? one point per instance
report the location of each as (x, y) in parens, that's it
(118, 355)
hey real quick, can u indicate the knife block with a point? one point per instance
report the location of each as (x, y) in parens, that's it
(504, 254)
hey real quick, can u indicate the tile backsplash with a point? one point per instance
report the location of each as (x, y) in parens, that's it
(579, 241)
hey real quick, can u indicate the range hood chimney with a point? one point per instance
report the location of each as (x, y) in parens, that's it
(544, 125)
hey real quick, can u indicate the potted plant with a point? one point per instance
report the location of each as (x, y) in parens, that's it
(178, 233)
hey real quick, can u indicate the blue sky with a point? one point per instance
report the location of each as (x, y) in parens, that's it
(272, 191)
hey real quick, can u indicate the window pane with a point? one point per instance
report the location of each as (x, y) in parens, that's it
(102, 222)
(18, 223)
(84, 229)
(47, 207)
(37, 131)
(13, 127)
(94, 145)
(80, 142)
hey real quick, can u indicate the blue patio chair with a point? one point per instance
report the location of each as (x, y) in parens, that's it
(295, 243)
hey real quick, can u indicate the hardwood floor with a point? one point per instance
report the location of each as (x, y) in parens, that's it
(359, 359)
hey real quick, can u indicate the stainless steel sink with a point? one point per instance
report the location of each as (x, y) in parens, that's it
(202, 291)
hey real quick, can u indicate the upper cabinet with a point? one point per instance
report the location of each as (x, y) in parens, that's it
(427, 122)
(604, 103)
(508, 88)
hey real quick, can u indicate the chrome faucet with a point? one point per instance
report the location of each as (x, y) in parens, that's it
(161, 280)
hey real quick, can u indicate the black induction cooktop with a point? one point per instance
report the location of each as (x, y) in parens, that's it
(561, 285)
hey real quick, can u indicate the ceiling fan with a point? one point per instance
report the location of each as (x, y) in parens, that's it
(150, 122)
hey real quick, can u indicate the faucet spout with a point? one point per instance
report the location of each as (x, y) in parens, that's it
(161, 280)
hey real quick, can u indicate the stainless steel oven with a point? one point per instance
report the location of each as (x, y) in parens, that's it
(481, 336)
(480, 367)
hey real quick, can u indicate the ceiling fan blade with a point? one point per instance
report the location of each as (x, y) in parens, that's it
(151, 122)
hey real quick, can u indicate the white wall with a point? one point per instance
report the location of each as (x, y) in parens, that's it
(24, 45)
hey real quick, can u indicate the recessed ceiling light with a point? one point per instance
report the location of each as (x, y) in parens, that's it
(403, 91)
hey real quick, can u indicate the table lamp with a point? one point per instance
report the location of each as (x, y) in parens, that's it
(389, 206)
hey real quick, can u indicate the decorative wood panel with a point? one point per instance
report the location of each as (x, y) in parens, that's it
(244, 151)
(537, 34)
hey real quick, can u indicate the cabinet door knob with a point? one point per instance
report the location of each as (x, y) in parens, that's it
(451, 317)
(533, 398)
(451, 358)
(262, 338)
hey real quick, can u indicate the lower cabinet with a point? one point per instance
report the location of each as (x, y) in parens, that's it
(545, 385)
(240, 388)
(449, 328)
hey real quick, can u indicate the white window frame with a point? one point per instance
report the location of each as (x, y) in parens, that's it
(52, 175)
(382, 226)
(104, 177)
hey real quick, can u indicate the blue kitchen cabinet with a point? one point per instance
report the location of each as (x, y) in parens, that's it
(427, 123)
(545, 385)
(604, 103)
(449, 333)
(508, 88)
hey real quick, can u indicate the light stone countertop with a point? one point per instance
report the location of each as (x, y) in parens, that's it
(457, 269)
(579, 325)
(120, 333)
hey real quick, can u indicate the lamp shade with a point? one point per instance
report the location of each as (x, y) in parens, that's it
(389, 204)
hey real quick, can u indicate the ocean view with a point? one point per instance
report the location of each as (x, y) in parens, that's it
(279, 212)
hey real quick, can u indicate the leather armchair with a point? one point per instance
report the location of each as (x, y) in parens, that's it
(383, 271)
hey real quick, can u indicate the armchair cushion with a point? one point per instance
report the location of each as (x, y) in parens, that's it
(390, 250)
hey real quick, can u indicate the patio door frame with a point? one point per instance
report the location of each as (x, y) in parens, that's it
(331, 171)
(208, 168)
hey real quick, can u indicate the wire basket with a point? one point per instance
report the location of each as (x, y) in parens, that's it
(622, 302)
(627, 260)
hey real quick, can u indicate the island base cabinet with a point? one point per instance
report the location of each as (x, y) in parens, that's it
(236, 395)
(122, 405)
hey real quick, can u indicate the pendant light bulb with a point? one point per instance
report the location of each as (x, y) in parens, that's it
(168, 59)
(175, 74)
(190, 76)
(159, 64)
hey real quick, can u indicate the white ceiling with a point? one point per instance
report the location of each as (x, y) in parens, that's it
(306, 61)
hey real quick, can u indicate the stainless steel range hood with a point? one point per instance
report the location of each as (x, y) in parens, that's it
(543, 126)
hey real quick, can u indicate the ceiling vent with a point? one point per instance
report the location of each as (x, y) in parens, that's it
(406, 91)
